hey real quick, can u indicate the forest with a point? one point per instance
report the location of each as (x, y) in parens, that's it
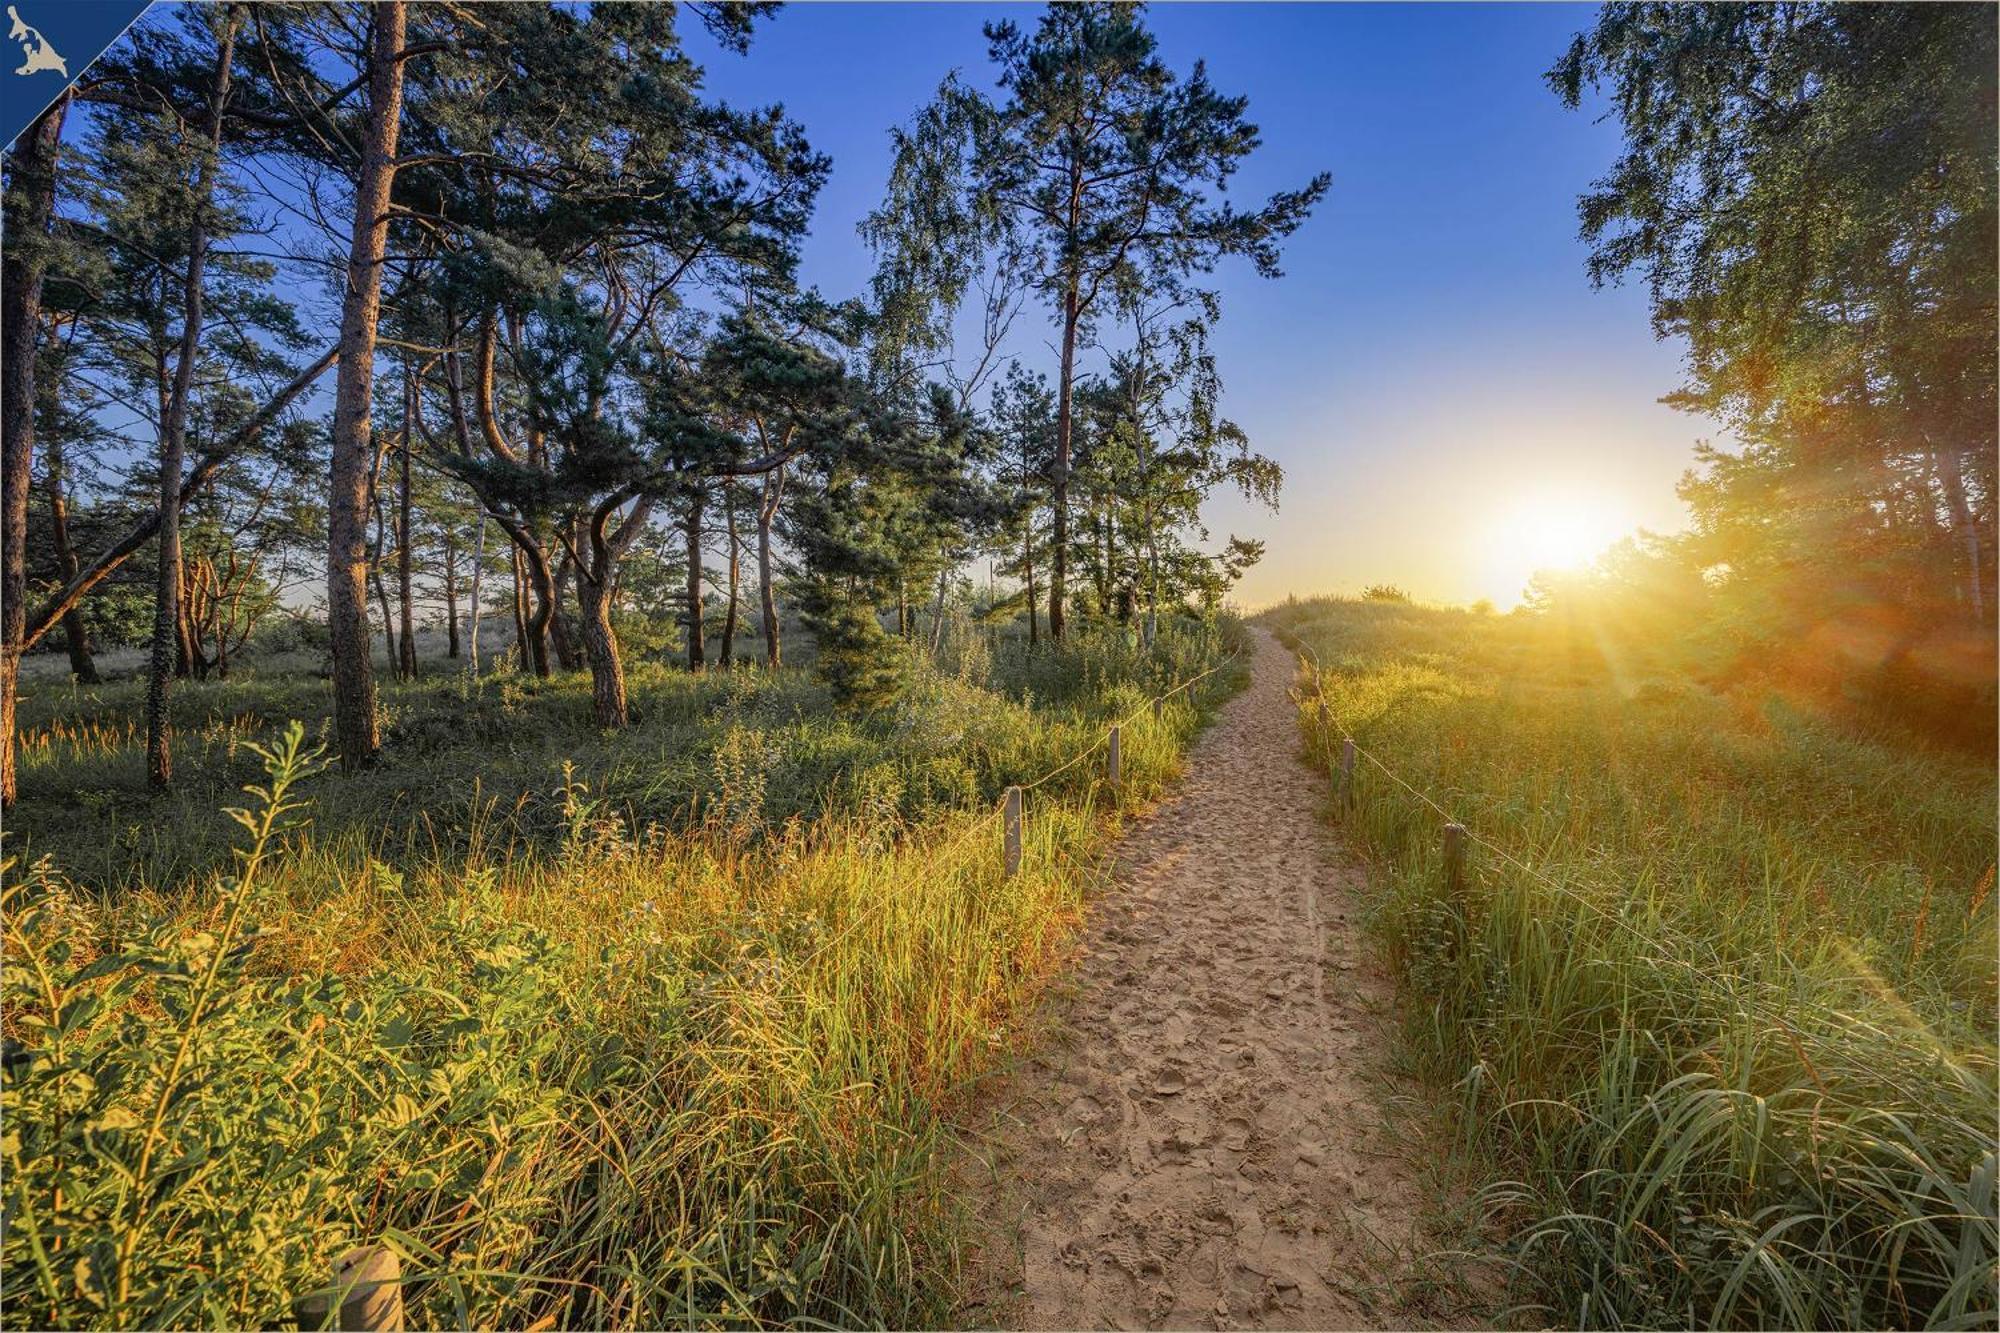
(538, 743)
(572, 360)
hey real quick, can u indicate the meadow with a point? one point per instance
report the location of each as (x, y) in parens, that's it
(595, 1029)
(1712, 1019)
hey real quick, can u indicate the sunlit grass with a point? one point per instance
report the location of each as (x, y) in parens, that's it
(1725, 1049)
(579, 1064)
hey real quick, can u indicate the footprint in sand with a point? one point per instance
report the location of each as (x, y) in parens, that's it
(1242, 1077)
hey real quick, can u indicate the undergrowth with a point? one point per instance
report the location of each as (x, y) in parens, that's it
(585, 1054)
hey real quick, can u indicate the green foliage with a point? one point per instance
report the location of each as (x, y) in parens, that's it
(861, 663)
(570, 1064)
(1809, 192)
(1715, 1015)
(1384, 592)
(1152, 448)
(1088, 97)
(188, 1138)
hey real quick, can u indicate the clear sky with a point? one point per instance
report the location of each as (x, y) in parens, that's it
(1451, 402)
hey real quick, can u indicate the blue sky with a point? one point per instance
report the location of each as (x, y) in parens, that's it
(1451, 401)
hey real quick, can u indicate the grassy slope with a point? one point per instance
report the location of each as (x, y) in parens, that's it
(610, 1032)
(1730, 1059)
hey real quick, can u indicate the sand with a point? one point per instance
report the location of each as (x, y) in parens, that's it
(1199, 1145)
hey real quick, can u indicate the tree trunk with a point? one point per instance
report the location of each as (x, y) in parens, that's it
(406, 665)
(767, 511)
(568, 656)
(937, 613)
(451, 592)
(173, 431)
(356, 732)
(540, 609)
(1028, 570)
(388, 620)
(1965, 529)
(82, 665)
(521, 611)
(30, 200)
(697, 654)
(596, 589)
(1065, 413)
(190, 663)
(735, 574)
(478, 568)
(607, 672)
(377, 553)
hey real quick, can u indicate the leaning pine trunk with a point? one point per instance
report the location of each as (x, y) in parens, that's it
(596, 590)
(539, 613)
(600, 645)
(356, 729)
(173, 431)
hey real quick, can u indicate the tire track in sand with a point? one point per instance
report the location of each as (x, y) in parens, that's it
(1201, 1148)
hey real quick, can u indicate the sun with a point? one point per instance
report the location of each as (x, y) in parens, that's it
(1554, 529)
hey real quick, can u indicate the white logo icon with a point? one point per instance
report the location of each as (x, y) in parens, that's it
(36, 53)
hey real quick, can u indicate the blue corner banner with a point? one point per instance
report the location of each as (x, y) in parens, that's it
(49, 45)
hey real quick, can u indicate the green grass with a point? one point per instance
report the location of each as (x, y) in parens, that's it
(658, 1029)
(1714, 1016)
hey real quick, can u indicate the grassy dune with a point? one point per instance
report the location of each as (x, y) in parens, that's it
(667, 1032)
(1715, 1013)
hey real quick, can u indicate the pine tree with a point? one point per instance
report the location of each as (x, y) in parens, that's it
(1100, 168)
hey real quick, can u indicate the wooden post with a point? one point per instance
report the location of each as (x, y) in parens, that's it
(1117, 764)
(1013, 831)
(367, 1284)
(1454, 861)
(1347, 774)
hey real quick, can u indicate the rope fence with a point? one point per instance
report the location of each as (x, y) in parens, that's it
(1010, 812)
(1455, 833)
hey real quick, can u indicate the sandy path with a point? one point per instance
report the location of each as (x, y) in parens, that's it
(1201, 1149)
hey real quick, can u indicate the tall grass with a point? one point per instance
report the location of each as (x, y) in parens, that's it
(580, 1066)
(1716, 1010)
